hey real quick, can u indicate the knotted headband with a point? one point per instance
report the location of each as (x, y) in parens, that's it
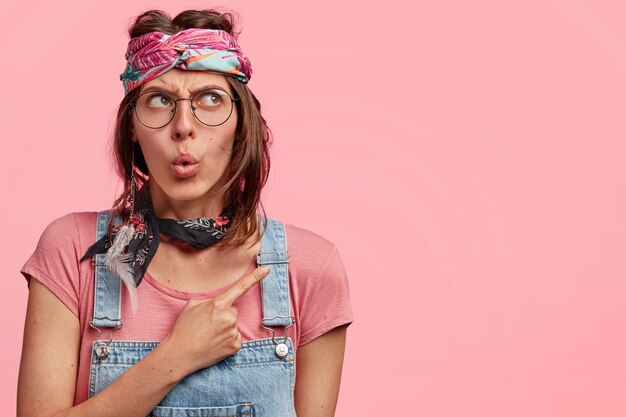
(155, 53)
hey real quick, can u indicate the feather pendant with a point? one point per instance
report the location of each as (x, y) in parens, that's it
(117, 261)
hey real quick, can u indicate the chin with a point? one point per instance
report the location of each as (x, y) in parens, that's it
(186, 193)
(188, 189)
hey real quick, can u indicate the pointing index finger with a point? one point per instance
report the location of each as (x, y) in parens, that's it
(244, 284)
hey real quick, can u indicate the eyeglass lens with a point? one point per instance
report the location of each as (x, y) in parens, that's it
(211, 107)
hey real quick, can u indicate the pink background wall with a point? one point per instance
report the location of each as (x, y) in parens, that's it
(466, 157)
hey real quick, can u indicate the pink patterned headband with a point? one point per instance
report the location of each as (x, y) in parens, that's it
(155, 53)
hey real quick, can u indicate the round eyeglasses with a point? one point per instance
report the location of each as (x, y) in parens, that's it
(212, 107)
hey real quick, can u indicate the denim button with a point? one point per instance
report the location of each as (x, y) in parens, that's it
(102, 351)
(282, 350)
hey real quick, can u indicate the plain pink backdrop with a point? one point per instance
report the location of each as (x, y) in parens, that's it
(467, 158)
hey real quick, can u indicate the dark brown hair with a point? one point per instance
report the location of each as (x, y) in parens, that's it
(249, 164)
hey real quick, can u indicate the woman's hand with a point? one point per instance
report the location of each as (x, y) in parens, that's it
(206, 331)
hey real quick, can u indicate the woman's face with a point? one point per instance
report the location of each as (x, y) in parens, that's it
(186, 159)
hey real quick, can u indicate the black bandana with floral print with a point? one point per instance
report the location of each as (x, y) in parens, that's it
(200, 233)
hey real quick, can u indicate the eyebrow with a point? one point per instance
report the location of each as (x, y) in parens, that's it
(168, 89)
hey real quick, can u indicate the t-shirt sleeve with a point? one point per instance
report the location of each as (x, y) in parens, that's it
(55, 261)
(325, 300)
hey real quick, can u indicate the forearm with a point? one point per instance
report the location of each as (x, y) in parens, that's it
(136, 392)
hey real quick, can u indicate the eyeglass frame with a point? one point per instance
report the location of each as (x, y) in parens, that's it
(233, 100)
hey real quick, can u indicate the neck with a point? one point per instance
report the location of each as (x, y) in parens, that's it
(167, 207)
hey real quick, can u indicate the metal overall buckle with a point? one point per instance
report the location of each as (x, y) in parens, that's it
(102, 348)
(282, 350)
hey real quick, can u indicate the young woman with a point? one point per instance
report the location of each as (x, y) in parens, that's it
(183, 300)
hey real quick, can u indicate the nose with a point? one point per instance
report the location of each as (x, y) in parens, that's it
(183, 121)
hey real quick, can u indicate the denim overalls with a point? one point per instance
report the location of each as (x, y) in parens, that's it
(258, 380)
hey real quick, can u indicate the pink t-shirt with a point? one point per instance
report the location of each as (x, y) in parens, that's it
(317, 279)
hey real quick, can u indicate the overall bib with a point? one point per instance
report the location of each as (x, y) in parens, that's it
(257, 381)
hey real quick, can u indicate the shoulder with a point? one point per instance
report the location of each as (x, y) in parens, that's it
(75, 229)
(55, 261)
(309, 251)
(74, 220)
(318, 283)
(301, 239)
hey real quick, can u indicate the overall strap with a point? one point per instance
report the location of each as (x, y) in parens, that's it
(275, 286)
(107, 285)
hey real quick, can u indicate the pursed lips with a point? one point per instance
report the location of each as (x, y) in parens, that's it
(184, 166)
(185, 159)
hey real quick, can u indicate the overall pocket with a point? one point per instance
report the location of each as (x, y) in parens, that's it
(254, 382)
(239, 410)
